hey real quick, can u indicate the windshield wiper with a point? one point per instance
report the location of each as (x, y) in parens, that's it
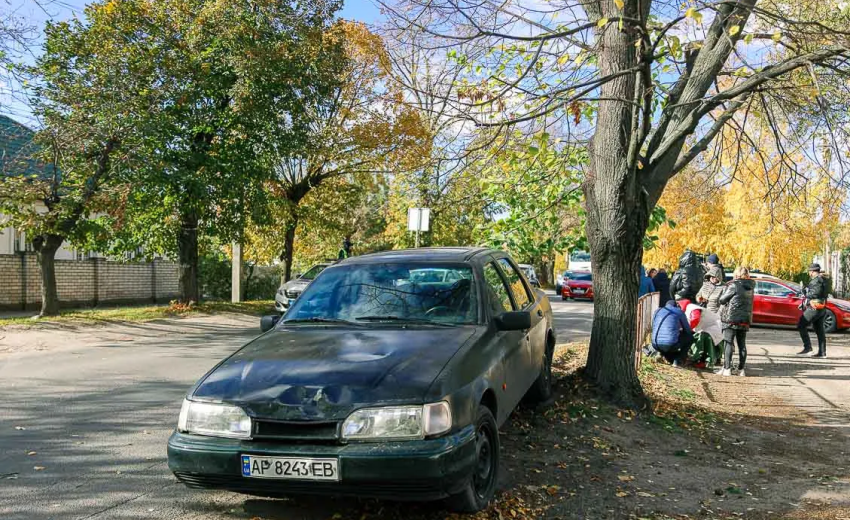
(317, 319)
(405, 320)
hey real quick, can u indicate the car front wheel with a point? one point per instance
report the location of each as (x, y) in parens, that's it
(482, 485)
(830, 324)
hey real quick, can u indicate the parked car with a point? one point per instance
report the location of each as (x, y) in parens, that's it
(776, 302)
(375, 384)
(291, 290)
(578, 285)
(530, 274)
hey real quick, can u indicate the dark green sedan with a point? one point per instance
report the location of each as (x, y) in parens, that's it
(388, 377)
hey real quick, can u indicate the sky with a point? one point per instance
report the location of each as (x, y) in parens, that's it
(36, 13)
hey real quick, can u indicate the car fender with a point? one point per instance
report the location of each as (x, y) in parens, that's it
(478, 366)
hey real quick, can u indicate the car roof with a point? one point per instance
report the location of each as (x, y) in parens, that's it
(430, 254)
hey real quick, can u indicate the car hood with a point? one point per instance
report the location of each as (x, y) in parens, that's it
(296, 285)
(580, 283)
(844, 304)
(324, 373)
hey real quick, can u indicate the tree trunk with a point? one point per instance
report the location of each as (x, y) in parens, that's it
(46, 247)
(187, 244)
(289, 248)
(617, 217)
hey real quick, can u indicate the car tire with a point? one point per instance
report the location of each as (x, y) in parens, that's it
(482, 483)
(830, 323)
(541, 389)
(563, 298)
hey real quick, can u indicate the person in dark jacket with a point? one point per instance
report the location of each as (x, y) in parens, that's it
(671, 333)
(687, 280)
(736, 314)
(814, 313)
(662, 284)
(646, 286)
(712, 288)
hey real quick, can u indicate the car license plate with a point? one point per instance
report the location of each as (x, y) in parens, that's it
(578, 291)
(290, 468)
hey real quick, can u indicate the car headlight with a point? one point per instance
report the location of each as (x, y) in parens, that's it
(214, 419)
(398, 422)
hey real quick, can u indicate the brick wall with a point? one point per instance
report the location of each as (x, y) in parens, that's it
(86, 282)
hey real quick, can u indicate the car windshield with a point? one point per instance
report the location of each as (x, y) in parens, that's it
(581, 277)
(390, 292)
(313, 272)
(580, 256)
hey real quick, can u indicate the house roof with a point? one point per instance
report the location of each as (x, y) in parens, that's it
(18, 150)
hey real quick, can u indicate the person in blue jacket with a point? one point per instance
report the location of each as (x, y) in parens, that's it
(671, 333)
(646, 286)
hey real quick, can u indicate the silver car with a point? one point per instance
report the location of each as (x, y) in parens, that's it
(291, 290)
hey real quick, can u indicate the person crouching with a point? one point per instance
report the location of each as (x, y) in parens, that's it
(671, 333)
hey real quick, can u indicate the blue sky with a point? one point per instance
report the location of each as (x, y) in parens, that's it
(37, 13)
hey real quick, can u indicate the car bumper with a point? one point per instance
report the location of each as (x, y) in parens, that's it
(428, 469)
(282, 303)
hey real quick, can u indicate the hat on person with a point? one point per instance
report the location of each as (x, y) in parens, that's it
(814, 267)
(712, 259)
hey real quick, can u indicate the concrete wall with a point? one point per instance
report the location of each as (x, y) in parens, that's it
(86, 282)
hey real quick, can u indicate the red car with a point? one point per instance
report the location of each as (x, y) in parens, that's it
(776, 302)
(578, 285)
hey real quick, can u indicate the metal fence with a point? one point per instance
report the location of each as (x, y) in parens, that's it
(647, 305)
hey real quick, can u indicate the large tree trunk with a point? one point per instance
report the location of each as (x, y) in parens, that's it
(46, 247)
(289, 247)
(187, 244)
(617, 217)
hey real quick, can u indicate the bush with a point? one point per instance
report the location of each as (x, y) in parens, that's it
(214, 274)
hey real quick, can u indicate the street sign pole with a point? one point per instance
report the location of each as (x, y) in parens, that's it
(418, 220)
(418, 225)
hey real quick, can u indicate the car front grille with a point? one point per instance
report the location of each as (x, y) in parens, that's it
(324, 432)
(292, 294)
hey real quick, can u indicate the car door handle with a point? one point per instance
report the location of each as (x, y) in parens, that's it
(540, 312)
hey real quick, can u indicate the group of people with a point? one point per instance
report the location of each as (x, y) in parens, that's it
(701, 317)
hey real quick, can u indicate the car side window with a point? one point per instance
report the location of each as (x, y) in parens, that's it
(497, 292)
(774, 289)
(761, 289)
(518, 288)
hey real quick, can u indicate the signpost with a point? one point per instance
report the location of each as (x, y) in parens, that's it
(418, 220)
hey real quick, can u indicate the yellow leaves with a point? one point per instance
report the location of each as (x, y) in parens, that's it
(625, 478)
(735, 29)
(693, 14)
(777, 36)
(620, 4)
(602, 22)
(564, 59)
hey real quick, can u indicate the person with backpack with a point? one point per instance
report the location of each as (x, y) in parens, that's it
(736, 313)
(688, 278)
(814, 311)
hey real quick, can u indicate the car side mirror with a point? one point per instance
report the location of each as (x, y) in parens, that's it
(516, 320)
(297, 275)
(267, 323)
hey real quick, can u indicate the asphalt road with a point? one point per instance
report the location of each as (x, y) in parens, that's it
(85, 416)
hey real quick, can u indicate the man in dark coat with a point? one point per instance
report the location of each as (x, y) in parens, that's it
(814, 312)
(662, 285)
(688, 279)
